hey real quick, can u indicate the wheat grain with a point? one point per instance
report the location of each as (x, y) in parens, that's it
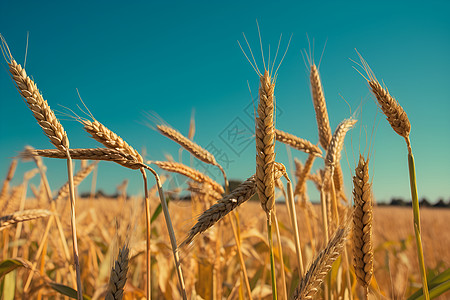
(22, 216)
(297, 143)
(311, 282)
(118, 276)
(265, 144)
(362, 224)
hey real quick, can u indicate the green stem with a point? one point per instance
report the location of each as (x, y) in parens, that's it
(272, 261)
(415, 205)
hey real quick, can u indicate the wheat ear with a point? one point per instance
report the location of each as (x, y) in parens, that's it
(77, 179)
(311, 282)
(188, 172)
(109, 139)
(39, 107)
(118, 276)
(303, 175)
(195, 149)
(22, 216)
(203, 189)
(337, 142)
(219, 210)
(297, 143)
(227, 204)
(106, 154)
(320, 107)
(5, 188)
(362, 224)
(265, 144)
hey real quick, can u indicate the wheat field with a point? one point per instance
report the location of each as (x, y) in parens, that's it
(213, 238)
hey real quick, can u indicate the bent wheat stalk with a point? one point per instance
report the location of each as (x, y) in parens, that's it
(52, 128)
(400, 123)
(108, 138)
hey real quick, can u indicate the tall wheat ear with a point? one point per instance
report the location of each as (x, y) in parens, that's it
(362, 224)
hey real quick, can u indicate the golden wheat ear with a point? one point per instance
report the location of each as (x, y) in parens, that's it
(23, 216)
(394, 113)
(362, 224)
(311, 282)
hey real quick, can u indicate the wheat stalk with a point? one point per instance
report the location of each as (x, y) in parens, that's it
(118, 276)
(297, 143)
(22, 216)
(362, 224)
(53, 129)
(188, 172)
(311, 282)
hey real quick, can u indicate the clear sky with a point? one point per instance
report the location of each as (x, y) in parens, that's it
(170, 58)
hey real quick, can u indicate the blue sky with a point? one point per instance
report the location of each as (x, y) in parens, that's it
(168, 59)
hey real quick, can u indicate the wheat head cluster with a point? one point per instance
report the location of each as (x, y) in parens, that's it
(58, 245)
